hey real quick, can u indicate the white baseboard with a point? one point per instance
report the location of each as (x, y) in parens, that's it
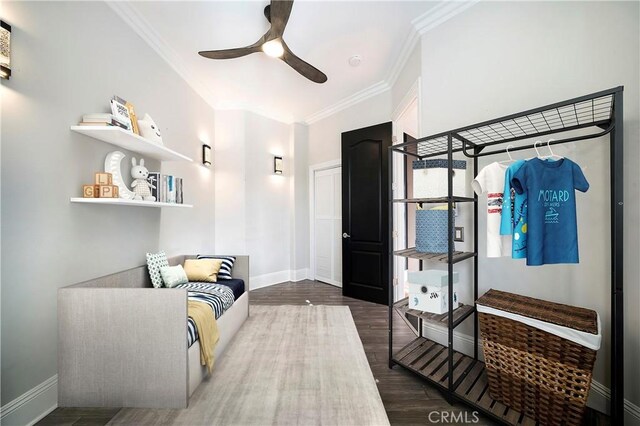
(300, 274)
(32, 406)
(598, 396)
(266, 280)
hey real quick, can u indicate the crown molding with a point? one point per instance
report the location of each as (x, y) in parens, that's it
(409, 44)
(366, 93)
(141, 27)
(440, 14)
(419, 26)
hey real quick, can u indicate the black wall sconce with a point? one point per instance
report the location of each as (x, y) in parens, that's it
(5, 50)
(206, 155)
(277, 165)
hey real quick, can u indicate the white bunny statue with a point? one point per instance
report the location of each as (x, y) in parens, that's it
(140, 185)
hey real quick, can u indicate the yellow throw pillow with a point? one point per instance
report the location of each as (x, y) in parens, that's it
(203, 270)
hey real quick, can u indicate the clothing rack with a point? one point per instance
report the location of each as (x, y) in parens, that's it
(598, 113)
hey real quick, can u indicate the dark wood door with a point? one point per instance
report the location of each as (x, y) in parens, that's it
(365, 213)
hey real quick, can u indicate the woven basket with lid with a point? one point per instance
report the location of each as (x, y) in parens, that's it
(540, 374)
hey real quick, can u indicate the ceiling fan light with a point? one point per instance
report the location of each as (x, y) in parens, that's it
(273, 48)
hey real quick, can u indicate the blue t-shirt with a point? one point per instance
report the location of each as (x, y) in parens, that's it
(552, 234)
(514, 214)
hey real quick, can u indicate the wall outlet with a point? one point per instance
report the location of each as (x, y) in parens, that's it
(459, 234)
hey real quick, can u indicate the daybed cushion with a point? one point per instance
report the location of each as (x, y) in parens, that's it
(225, 269)
(235, 284)
(218, 297)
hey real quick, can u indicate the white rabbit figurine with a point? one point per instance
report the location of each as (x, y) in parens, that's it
(140, 185)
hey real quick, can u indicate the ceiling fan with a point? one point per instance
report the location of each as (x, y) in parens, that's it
(272, 43)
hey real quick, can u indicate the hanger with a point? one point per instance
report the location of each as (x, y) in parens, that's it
(535, 146)
(510, 160)
(558, 157)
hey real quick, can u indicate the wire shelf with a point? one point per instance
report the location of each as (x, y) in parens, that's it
(587, 111)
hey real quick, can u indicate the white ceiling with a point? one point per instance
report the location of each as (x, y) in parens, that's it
(323, 33)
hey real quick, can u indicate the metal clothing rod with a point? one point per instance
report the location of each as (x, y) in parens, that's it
(523, 147)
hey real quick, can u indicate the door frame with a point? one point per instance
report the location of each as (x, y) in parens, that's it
(332, 164)
(412, 96)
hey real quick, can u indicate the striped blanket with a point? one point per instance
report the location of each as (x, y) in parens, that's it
(218, 297)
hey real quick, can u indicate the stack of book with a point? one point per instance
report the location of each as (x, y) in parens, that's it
(102, 119)
(168, 189)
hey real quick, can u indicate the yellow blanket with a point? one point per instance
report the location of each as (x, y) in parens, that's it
(207, 327)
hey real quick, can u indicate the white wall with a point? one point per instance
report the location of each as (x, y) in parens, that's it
(229, 164)
(268, 208)
(500, 58)
(69, 59)
(254, 207)
(407, 77)
(300, 201)
(325, 135)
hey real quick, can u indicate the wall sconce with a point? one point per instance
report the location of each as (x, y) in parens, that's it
(5, 50)
(206, 155)
(277, 165)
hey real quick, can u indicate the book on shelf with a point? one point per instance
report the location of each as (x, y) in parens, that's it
(121, 112)
(154, 179)
(162, 190)
(169, 189)
(179, 196)
(101, 120)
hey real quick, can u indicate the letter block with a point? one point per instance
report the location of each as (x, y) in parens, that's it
(108, 191)
(89, 191)
(104, 178)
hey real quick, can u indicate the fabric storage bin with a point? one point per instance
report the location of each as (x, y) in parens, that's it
(431, 178)
(431, 231)
(539, 355)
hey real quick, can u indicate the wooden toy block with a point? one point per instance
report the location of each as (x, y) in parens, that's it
(89, 191)
(116, 192)
(108, 191)
(104, 178)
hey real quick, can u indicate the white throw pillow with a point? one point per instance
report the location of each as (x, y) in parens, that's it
(173, 275)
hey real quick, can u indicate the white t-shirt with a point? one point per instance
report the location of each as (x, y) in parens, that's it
(490, 181)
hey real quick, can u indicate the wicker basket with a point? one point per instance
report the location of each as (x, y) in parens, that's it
(544, 376)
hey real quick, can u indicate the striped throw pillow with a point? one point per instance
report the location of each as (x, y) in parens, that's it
(225, 269)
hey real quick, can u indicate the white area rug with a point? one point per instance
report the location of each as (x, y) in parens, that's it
(288, 365)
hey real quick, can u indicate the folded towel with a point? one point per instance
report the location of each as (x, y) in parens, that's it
(208, 333)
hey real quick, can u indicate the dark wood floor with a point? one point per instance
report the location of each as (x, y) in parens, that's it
(407, 399)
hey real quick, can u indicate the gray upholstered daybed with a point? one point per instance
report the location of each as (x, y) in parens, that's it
(123, 343)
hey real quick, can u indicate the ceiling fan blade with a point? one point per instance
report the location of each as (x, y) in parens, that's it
(280, 10)
(230, 53)
(307, 70)
(237, 52)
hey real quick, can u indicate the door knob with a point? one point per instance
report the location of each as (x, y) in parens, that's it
(345, 235)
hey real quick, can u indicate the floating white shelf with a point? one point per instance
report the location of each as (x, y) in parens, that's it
(131, 142)
(123, 202)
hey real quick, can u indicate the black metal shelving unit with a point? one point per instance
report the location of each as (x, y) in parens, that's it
(461, 377)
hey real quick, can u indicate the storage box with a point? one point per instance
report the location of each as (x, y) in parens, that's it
(431, 231)
(431, 277)
(430, 178)
(539, 355)
(431, 293)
